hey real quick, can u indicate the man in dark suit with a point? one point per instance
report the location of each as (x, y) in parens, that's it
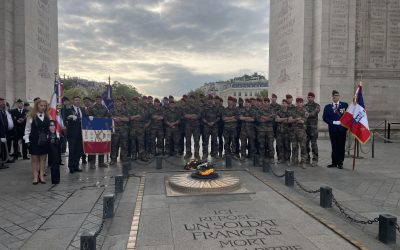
(3, 134)
(74, 134)
(19, 117)
(337, 133)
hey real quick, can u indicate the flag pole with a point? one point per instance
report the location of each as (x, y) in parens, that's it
(354, 153)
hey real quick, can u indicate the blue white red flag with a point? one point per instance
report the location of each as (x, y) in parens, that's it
(55, 105)
(96, 135)
(107, 97)
(355, 118)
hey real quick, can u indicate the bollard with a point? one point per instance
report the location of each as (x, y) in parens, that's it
(228, 161)
(88, 241)
(256, 160)
(119, 184)
(325, 197)
(387, 228)
(266, 165)
(108, 206)
(159, 162)
(289, 178)
(126, 166)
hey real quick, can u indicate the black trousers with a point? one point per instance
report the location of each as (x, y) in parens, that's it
(75, 147)
(338, 143)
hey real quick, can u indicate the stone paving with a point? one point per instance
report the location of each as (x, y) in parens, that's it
(33, 215)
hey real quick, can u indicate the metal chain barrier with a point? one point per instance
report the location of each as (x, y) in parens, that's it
(306, 189)
(384, 138)
(277, 175)
(100, 228)
(348, 216)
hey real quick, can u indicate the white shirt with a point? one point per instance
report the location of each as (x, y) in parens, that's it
(28, 126)
(78, 111)
(9, 120)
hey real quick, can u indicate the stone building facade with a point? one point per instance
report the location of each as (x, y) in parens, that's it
(332, 44)
(28, 48)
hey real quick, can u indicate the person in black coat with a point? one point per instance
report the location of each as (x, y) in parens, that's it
(74, 134)
(19, 117)
(36, 132)
(3, 134)
(337, 133)
(54, 153)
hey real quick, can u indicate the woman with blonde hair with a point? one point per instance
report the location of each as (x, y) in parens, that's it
(36, 132)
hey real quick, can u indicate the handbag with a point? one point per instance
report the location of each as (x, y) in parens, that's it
(42, 136)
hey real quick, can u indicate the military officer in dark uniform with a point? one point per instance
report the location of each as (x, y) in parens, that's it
(19, 117)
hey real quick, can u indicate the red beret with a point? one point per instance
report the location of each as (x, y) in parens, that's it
(299, 99)
(230, 98)
(266, 99)
(259, 99)
(144, 97)
(170, 97)
(247, 100)
(165, 98)
(311, 94)
(289, 96)
(284, 100)
(156, 100)
(274, 96)
(136, 98)
(149, 97)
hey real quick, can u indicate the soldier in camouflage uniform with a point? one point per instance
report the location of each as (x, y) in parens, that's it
(241, 110)
(210, 118)
(247, 132)
(147, 138)
(275, 108)
(97, 110)
(265, 133)
(182, 125)
(292, 136)
(312, 109)
(120, 136)
(138, 121)
(191, 114)
(156, 128)
(230, 117)
(282, 136)
(220, 147)
(298, 120)
(172, 118)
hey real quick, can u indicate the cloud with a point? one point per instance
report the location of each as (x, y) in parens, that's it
(163, 45)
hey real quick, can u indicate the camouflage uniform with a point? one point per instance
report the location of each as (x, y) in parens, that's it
(247, 132)
(147, 130)
(282, 137)
(292, 136)
(265, 132)
(120, 136)
(300, 137)
(181, 125)
(230, 129)
(98, 110)
(192, 127)
(220, 132)
(312, 130)
(275, 107)
(211, 115)
(172, 134)
(241, 110)
(137, 131)
(156, 131)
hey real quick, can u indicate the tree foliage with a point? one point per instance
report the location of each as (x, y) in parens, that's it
(120, 89)
(262, 93)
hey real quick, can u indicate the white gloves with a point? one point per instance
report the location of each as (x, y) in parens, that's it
(73, 117)
(3, 140)
(91, 118)
(337, 122)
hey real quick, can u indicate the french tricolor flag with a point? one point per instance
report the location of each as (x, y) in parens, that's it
(96, 134)
(355, 118)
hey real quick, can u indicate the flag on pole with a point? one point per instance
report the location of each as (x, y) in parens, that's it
(107, 97)
(355, 118)
(55, 101)
(96, 135)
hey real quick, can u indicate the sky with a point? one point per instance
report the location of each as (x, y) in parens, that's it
(163, 47)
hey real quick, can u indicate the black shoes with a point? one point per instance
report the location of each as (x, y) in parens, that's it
(331, 166)
(340, 166)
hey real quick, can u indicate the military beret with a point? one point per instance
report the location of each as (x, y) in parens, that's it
(299, 99)
(247, 100)
(170, 97)
(289, 96)
(165, 98)
(156, 100)
(77, 96)
(216, 97)
(38, 98)
(335, 92)
(240, 99)
(136, 99)
(284, 100)
(26, 104)
(184, 96)
(230, 98)
(84, 98)
(144, 97)
(149, 97)
(311, 94)
(19, 100)
(266, 99)
(259, 99)
(274, 96)
(65, 99)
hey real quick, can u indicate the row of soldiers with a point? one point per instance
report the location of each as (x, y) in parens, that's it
(144, 128)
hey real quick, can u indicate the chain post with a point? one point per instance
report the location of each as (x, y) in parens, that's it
(126, 166)
(289, 178)
(228, 161)
(387, 228)
(119, 184)
(88, 241)
(266, 165)
(325, 198)
(108, 206)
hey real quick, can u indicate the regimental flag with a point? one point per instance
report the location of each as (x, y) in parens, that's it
(107, 97)
(355, 118)
(96, 135)
(55, 106)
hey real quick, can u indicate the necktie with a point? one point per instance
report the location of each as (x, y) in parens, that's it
(20, 111)
(78, 112)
